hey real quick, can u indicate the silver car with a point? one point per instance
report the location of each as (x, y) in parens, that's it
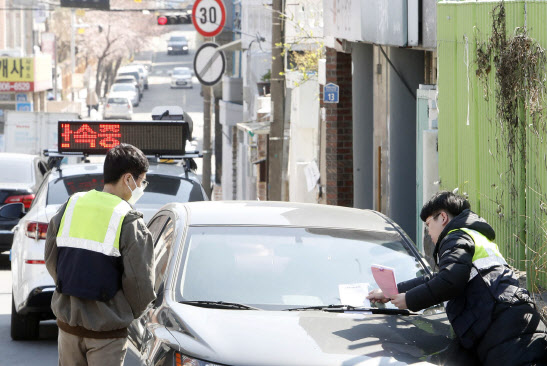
(127, 90)
(181, 77)
(278, 283)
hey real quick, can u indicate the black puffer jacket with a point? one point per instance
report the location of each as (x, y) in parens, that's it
(490, 314)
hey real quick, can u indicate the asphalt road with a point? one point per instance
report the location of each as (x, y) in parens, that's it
(44, 351)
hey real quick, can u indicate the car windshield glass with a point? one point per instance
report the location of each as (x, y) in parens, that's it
(20, 171)
(160, 190)
(178, 39)
(117, 101)
(181, 72)
(121, 87)
(280, 267)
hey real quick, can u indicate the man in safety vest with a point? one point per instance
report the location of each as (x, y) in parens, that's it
(495, 320)
(100, 254)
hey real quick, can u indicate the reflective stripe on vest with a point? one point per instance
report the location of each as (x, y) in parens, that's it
(486, 254)
(93, 221)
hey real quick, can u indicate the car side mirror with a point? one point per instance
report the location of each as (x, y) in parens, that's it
(12, 211)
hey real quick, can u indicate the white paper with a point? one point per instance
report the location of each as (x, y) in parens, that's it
(312, 175)
(354, 294)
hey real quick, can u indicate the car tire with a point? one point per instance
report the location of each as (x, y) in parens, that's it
(23, 327)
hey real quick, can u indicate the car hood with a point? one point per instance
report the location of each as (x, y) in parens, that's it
(302, 338)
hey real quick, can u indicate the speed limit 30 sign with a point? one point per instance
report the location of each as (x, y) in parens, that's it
(209, 17)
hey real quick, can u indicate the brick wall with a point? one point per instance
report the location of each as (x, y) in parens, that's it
(339, 128)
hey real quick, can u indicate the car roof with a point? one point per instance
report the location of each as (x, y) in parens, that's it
(172, 170)
(181, 68)
(128, 68)
(17, 156)
(271, 213)
(124, 77)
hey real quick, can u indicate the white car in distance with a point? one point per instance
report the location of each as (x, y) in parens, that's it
(181, 77)
(118, 106)
(126, 90)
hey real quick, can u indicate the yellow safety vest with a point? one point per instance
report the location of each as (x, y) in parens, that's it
(487, 253)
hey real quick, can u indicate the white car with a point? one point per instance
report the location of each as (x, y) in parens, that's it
(181, 77)
(127, 90)
(118, 106)
(32, 285)
(144, 72)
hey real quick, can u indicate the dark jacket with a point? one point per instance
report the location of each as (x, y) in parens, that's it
(486, 302)
(97, 319)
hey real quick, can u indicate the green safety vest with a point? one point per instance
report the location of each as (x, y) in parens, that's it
(89, 263)
(93, 221)
(487, 253)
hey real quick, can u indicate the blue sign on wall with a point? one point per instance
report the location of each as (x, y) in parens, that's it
(24, 107)
(331, 93)
(21, 98)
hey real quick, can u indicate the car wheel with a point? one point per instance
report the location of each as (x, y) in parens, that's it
(23, 327)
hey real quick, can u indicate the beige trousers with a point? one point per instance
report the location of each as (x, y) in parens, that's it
(80, 351)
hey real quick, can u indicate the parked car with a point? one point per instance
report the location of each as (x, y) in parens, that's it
(135, 72)
(19, 181)
(127, 90)
(143, 69)
(177, 44)
(32, 285)
(264, 284)
(128, 79)
(118, 106)
(181, 77)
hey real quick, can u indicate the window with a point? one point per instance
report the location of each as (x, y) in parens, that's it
(156, 225)
(162, 250)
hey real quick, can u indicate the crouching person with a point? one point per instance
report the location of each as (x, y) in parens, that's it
(495, 320)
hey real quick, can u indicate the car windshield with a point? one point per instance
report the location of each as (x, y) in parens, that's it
(122, 87)
(160, 190)
(20, 171)
(280, 267)
(181, 72)
(125, 80)
(178, 39)
(117, 101)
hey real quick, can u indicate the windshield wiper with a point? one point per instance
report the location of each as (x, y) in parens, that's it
(219, 305)
(342, 308)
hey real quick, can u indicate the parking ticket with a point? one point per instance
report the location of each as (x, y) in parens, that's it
(385, 279)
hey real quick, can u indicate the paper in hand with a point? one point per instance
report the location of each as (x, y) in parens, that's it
(385, 279)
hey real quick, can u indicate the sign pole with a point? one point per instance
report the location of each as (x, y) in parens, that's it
(72, 49)
(206, 178)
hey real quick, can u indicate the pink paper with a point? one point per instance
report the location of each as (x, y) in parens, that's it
(385, 279)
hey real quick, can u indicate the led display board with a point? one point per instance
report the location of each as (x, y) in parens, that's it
(97, 137)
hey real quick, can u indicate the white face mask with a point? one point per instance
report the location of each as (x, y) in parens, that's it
(135, 194)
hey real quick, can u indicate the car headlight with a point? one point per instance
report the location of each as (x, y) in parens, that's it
(185, 47)
(182, 360)
(169, 48)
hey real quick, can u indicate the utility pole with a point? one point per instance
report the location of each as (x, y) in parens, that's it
(206, 178)
(277, 128)
(72, 49)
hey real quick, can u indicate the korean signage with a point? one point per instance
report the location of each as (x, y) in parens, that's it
(97, 137)
(24, 74)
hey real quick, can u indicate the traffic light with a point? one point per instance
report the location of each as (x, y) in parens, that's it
(170, 19)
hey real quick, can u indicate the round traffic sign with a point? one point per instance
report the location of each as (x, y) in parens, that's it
(209, 64)
(209, 17)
